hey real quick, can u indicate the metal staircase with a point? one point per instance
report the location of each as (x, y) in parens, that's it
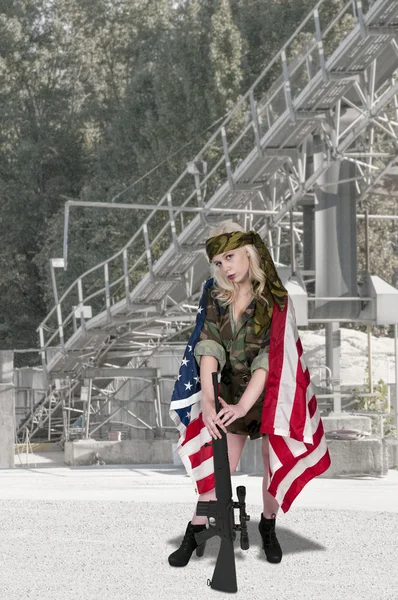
(255, 168)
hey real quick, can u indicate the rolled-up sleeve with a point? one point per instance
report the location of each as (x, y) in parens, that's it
(210, 348)
(260, 362)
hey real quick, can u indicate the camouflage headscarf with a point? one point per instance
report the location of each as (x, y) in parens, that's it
(273, 291)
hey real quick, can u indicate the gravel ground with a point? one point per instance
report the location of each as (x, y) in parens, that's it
(108, 547)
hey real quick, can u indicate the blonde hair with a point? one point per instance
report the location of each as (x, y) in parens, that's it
(224, 290)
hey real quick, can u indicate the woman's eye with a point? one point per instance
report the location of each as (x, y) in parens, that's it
(229, 255)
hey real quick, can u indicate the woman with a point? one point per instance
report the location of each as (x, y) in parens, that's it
(235, 340)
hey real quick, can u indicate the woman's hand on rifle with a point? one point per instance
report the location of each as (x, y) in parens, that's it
(229, 413)
(209, 417)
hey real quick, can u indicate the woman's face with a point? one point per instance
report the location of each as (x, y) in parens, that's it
(233, 264)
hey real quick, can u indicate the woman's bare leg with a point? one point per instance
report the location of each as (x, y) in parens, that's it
(235, 443)
(271, 506)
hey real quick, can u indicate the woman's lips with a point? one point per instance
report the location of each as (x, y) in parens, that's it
(231, 276)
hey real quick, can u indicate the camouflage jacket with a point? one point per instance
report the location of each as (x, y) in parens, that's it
(238, 350)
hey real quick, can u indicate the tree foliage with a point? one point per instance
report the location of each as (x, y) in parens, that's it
(94, 95)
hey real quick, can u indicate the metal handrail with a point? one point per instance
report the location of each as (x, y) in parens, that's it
(351, 4)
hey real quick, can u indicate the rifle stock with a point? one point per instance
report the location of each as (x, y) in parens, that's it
(221, 513)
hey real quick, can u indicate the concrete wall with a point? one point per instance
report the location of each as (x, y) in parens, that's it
(7, 410)
(126, 452)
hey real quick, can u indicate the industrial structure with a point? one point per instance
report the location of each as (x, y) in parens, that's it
(312, 138)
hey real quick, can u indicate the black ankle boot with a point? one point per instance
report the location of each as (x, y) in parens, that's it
(271, 546)
(180, 558)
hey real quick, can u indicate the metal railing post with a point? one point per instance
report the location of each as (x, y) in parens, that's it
(148, 252)
(81, 302)
(107, 291)
(126, 279)
(173, 224)
(227, 159)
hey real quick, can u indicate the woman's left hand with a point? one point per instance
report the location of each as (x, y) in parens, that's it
(229, 412)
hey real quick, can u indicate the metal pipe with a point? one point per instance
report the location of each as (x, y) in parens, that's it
(369, 328)
(341, 320)
(337, 298)
(66, 227)
(54, 283)
(396, 378)
(292, 246)
(188, 209)
(88, 384)
(367, 255)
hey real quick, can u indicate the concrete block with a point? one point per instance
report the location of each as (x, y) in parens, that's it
(251, 460)
(349, 458)
(367, 457)
(126, 452)
(342, 421)
(176, 457)
(392, 451)
(7, 426)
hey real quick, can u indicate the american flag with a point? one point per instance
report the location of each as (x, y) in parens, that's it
(185, 410)
(297, 443)
(298, 450)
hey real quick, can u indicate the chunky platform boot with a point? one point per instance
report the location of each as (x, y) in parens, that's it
(271, 546)
(180, 558)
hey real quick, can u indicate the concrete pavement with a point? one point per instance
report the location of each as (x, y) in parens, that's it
(104, 533)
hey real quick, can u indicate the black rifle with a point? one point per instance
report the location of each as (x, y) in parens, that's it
(221, 513)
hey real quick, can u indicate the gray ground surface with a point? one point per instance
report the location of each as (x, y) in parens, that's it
(105, 533)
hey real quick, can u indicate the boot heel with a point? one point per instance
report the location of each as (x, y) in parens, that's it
(181, 557)
(271, 546)
(200, 549)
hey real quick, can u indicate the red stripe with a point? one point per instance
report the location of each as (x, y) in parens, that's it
(276, 354)
(204, 453)
(206, 484)
(299, 347)
(281, 473)
(193, 429)
(280, 448)
(299, 409)
(295, 488)
(312, 406)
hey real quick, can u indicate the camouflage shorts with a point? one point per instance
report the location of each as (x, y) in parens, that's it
(249, 424)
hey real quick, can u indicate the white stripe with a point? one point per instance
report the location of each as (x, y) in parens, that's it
(303, 365)
(196, 443)
(299, 468)
(308, 427)
(205, 469)
(296, 448)
(316, 417)
(175, 404)
(287, 387)
(195, 411)
(186, 462)
(274, 461)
